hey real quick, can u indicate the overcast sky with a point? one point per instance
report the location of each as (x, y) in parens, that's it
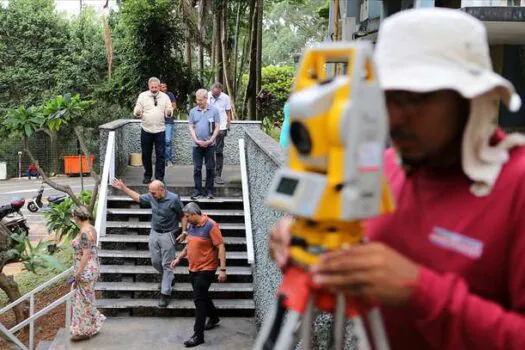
(72, 7)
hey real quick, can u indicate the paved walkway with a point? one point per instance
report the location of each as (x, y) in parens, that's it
(156, 333)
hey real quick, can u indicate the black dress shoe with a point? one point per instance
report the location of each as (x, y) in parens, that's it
(193, 341)
(209, 195)
(212, 323)
(146, 181)
(164, 300)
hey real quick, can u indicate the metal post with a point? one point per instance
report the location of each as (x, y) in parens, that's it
(32, 323)
(81, 171)
(67, 326)
(19, 164)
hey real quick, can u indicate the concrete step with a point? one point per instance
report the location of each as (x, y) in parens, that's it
(140, 307)
(114, 238)
(60, 342)
(178, 287)
(185, 199)
(245, 304)
(140, 242)
(180, 290)
(147, 212)
(144, 227)
(147, 224)
(219, 215)
(44, 345)
(232, 190)
(226, 202)
(146, 273)
(145, 254)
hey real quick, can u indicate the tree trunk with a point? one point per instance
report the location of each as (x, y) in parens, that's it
(252, 71)
(7, 283)
(53, 146)
(258, 68)
(108, 43)
(9, 286)
(62, 188)
(94, 175)
(188, 51)
(224, 39)
(236, 48)
(202, 33)
(217, 28)
(242, 94)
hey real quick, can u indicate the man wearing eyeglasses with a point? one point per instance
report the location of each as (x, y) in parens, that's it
(153, 106)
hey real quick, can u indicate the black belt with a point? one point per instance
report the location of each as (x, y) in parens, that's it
(162, 231)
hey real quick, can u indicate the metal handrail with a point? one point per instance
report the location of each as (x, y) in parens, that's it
(37, 289)
(34, 316)
(108, 173)
(246, 203)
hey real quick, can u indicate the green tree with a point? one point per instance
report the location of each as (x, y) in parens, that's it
(55, 114)
(33, 40)
(148, 41)
(276, 87)
(289, 27)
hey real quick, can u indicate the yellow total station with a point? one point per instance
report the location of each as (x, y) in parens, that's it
(333, 178)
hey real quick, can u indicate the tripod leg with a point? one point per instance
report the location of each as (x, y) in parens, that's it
(287, 337)
(360, 333)
(377, 329)
(339, 322)
(306, 328)
(271, 327)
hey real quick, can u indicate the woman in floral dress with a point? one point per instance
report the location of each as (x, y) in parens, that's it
(86, 320)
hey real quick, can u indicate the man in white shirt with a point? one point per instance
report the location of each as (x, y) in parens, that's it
(153, 106)
(221, 101)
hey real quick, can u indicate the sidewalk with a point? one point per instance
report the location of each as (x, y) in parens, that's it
(165, 333)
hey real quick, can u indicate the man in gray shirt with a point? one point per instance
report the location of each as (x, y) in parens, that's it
(204, 123)
(166, 208)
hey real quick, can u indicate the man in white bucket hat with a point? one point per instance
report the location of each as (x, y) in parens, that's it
(448, 267)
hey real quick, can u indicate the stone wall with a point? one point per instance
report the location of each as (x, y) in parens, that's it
(128, 141)
(264, 156)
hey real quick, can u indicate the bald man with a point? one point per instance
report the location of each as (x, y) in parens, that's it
(166, 215)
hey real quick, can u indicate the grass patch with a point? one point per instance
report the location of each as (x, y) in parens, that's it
(27, 281)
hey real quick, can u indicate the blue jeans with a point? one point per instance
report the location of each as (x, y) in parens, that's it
(168, 135)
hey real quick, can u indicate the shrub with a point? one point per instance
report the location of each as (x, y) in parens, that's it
(60, 221)
(276, 86)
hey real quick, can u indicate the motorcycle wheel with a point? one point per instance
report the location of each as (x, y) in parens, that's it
(32, 207)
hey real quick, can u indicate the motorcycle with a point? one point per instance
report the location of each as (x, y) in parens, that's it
(36, 203)
(12, 218)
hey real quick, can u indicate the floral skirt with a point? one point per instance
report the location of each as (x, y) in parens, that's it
(86, 320)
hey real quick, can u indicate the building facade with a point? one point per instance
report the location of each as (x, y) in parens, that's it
(504, 20)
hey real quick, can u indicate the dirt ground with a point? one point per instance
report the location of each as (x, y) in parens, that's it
(45, 327)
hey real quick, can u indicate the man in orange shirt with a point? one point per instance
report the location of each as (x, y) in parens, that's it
(204, 249)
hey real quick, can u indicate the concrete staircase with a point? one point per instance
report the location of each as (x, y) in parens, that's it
(130, 286)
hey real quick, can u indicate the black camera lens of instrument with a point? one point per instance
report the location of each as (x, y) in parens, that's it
(301, 137)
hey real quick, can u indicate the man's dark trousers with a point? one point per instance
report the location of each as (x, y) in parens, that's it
(200, 282)
(199, 154)
(219, 141)
(147, 140)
